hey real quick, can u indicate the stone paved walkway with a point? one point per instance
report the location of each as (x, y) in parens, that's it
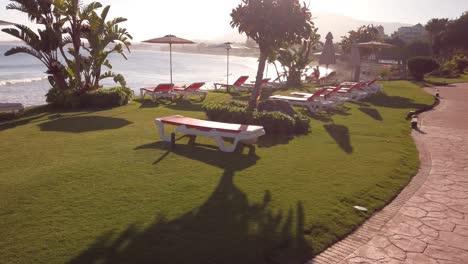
(428, 221)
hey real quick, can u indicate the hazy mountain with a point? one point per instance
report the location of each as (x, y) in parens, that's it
(338, 25)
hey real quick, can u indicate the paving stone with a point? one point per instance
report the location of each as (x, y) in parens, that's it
(447, 253)
(438, 224)
(380, 241)
(418, 258)
(454, 240)
(408, 244)
(395, 252)
(461, 230)
(413, 212)
(401, 228)
(429, 231)
(372, 253)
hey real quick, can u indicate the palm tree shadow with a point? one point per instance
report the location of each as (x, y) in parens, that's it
(341, 135)
(209, 154)
(384, 100)
(81, 124)
(374, 113)
(226, 228)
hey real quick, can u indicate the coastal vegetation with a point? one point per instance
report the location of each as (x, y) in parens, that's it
(74, 42)
(97, 186)
(259, 21)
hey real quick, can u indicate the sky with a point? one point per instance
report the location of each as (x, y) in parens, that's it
(208, 19)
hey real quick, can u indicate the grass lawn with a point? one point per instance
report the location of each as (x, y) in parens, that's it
(100, 187)
(444, 81)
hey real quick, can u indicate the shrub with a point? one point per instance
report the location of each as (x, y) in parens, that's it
(112, 97)
(446, 70)
(273, 122)
(420, 66)
(461, 62)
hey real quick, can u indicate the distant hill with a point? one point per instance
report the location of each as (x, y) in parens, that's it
(338, 25)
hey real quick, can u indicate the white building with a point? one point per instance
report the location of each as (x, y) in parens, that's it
(411, 34)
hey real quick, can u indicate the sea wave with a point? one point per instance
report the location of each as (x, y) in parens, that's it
(21, 81)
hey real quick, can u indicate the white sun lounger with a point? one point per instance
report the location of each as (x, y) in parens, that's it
(246, 134)
(15, 108)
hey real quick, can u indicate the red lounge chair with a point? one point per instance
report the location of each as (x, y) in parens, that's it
(237, 83)
(191, 90)
(313, 103)
(246, 134)
(164, 90)
(249, 87)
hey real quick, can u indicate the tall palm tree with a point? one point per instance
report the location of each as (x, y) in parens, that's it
(44, 44)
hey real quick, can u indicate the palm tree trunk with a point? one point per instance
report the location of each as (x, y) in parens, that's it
(257, 91)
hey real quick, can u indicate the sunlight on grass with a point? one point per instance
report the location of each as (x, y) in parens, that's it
(99, 186)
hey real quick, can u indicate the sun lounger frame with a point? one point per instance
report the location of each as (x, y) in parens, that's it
(218, 135)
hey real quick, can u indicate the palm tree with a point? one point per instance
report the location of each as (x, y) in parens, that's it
(44, 44)
(100, 36)
(260, 21)
(74, 15)
(436, 26)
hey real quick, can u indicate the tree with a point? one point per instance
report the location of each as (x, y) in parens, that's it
(73, 14)
(272, 24)
(453, 38)
(436, 26)
(43, 45)
(101, 35)
(297, 57)
(65, 23)
(362, 34)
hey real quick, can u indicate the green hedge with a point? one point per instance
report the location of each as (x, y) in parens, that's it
(420, 66)
(272, 122)
(112, 97)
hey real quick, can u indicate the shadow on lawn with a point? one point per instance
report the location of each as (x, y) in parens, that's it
(384, 100)
(374, 113)
(341, 135)
(226, 228)
(209, 154)
(80, 124)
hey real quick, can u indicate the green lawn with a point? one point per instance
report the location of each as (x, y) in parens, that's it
(444, 81)
(100, 187)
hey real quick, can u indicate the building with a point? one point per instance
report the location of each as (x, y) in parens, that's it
(411, 34)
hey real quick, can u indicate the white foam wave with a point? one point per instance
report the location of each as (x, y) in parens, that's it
(21, 81)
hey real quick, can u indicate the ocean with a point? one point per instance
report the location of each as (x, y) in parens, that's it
(22, 77)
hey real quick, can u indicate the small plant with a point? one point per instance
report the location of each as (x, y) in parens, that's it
(420, 66)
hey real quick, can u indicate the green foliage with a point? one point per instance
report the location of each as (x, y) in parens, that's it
(272, 24)
(420, 66)
(453, 37)
(65, 23)
(362, 34)
(273, 122)
(462, 62)
(297, 57)
(419, 49)
(116, 96)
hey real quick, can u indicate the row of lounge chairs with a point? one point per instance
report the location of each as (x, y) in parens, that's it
(240, 84)
(169, 90)
(324, 97)
(328, 96)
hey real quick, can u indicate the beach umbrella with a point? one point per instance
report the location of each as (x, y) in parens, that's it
(5, 23)
(230, 46)
(169, 39)
(355, 60)
(320, 54)
(375, 45)
(328, 56)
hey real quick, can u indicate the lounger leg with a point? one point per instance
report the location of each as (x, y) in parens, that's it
(223, 147)
(162, 135)
(192, 139)
(173, 141)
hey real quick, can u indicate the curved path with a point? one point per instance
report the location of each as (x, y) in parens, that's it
(428, 221)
